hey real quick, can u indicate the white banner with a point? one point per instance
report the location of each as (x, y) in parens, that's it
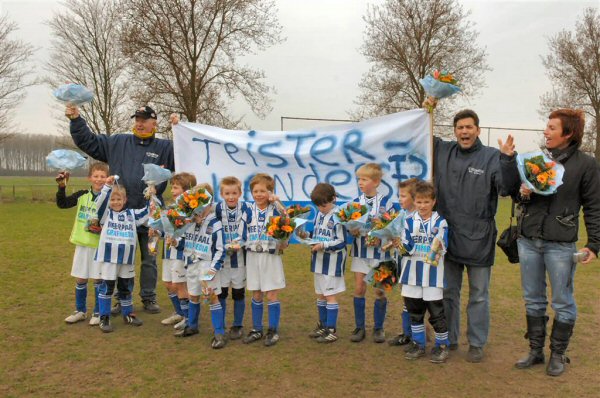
(299, 159)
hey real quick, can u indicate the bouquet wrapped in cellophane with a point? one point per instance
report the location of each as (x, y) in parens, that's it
(384, 276)
(354, 216)
(539, 173)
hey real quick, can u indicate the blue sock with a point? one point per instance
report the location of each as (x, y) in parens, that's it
(441, 338)
(274, 314)
(193, 315)
(184, 304)
(176, 305)
(406, 322)
(80, 297)
(257, 315)
(216, 313)
(104, 300)
(239, 307)
(332, 314)
(322, 309)
(418, 334)
(96, 302)
(359, 312)
(379, 310)
(126, 305)
(223, 303)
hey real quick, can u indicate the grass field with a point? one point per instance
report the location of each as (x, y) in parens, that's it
(42, 356)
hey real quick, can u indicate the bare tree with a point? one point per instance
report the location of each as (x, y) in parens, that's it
(406, 40)
(573, 66)
(86, 50)
(14, 69)
(186, 54)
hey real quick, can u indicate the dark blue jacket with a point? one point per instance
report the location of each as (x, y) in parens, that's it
(125, 154)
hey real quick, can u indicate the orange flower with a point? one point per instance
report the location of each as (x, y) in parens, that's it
(275, 220)
(355, 216)
(287, 228)
(356, 205)
(193, 203)
(202, 196)
(550, 165)
(551, 173)
(542, 178)
(535, 170)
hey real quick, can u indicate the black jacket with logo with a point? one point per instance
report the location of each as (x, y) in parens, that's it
(125, 154)
(467, 184)
(556, 217)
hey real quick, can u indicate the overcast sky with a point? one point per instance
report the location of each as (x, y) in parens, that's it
(317, 69)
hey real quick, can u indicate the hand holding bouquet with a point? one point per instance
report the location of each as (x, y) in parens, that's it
(439, 84)
(386, 227)
(434, 252)
(539, 173)
(355, 217)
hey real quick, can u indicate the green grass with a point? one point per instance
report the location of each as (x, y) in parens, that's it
(41, 355)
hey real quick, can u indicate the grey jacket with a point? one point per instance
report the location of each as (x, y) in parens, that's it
(467, 184)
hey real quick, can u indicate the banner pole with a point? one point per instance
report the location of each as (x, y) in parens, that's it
(431, 143)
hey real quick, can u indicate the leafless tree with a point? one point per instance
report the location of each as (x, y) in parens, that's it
(407, 39)
(14, 71)
(186, 55)
(573, 66)
(86, 50)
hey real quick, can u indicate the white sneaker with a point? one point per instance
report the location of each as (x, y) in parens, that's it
(180, 325)
(75, 317)
(95, 319)
(173, 319)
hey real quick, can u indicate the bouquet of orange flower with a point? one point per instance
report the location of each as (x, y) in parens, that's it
(542, 175)
(384, 276)
(385, 227)
(280, 227)
(440, 84)
(174, 222)
(193, 201)
(355, 216)
(296, 210)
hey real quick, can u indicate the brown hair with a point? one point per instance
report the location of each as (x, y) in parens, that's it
(409, 184)
(98, 166)
(322, 194)
(370, 170)
(572, 121)
(230, 180)
(424, 188)
(465, 114)
(263, 178)
(184, 180)
(206, 186)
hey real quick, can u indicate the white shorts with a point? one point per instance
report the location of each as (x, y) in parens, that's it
(84, 266)
(363, 265)
(234, 277)
(426, 293)
(194, 284)
(264, 272)
(110, 271)
(173, 271)
(328, 285)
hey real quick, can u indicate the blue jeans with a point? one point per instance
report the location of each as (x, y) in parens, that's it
(148, 269)
(539, 257)
(478, 308)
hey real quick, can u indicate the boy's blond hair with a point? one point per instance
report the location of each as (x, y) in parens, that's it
(119, 190)
(409, 184)
(185, 180)
(370, 170)
(263, 178)
(206, 186)
(98, 166)
(230, 180)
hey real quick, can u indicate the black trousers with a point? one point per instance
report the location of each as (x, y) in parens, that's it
(417, 307)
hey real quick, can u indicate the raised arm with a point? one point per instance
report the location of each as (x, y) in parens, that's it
(95, 145)
(102, 203)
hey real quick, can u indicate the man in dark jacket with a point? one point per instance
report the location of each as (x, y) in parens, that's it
(548, 228)
(125, 154)
(468, 181)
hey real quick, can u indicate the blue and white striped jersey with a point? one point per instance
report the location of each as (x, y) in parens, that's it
(231, 219)
(204, 241)
(118, 239)
(379, 205)
(332, 260)
(253, 229)
(418, 235)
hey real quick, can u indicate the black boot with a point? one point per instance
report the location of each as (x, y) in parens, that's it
(536, 332)
(559, 340)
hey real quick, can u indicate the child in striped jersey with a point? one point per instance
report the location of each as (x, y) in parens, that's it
(233, 274)
(204, 253)
(425, 238)
(406, 193)
(173, 265)
(116, 251)
(328, 262)
(264, 268)
(365, 257)
(85, 241)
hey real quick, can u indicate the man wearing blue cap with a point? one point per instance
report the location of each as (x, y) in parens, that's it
(125, 154)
